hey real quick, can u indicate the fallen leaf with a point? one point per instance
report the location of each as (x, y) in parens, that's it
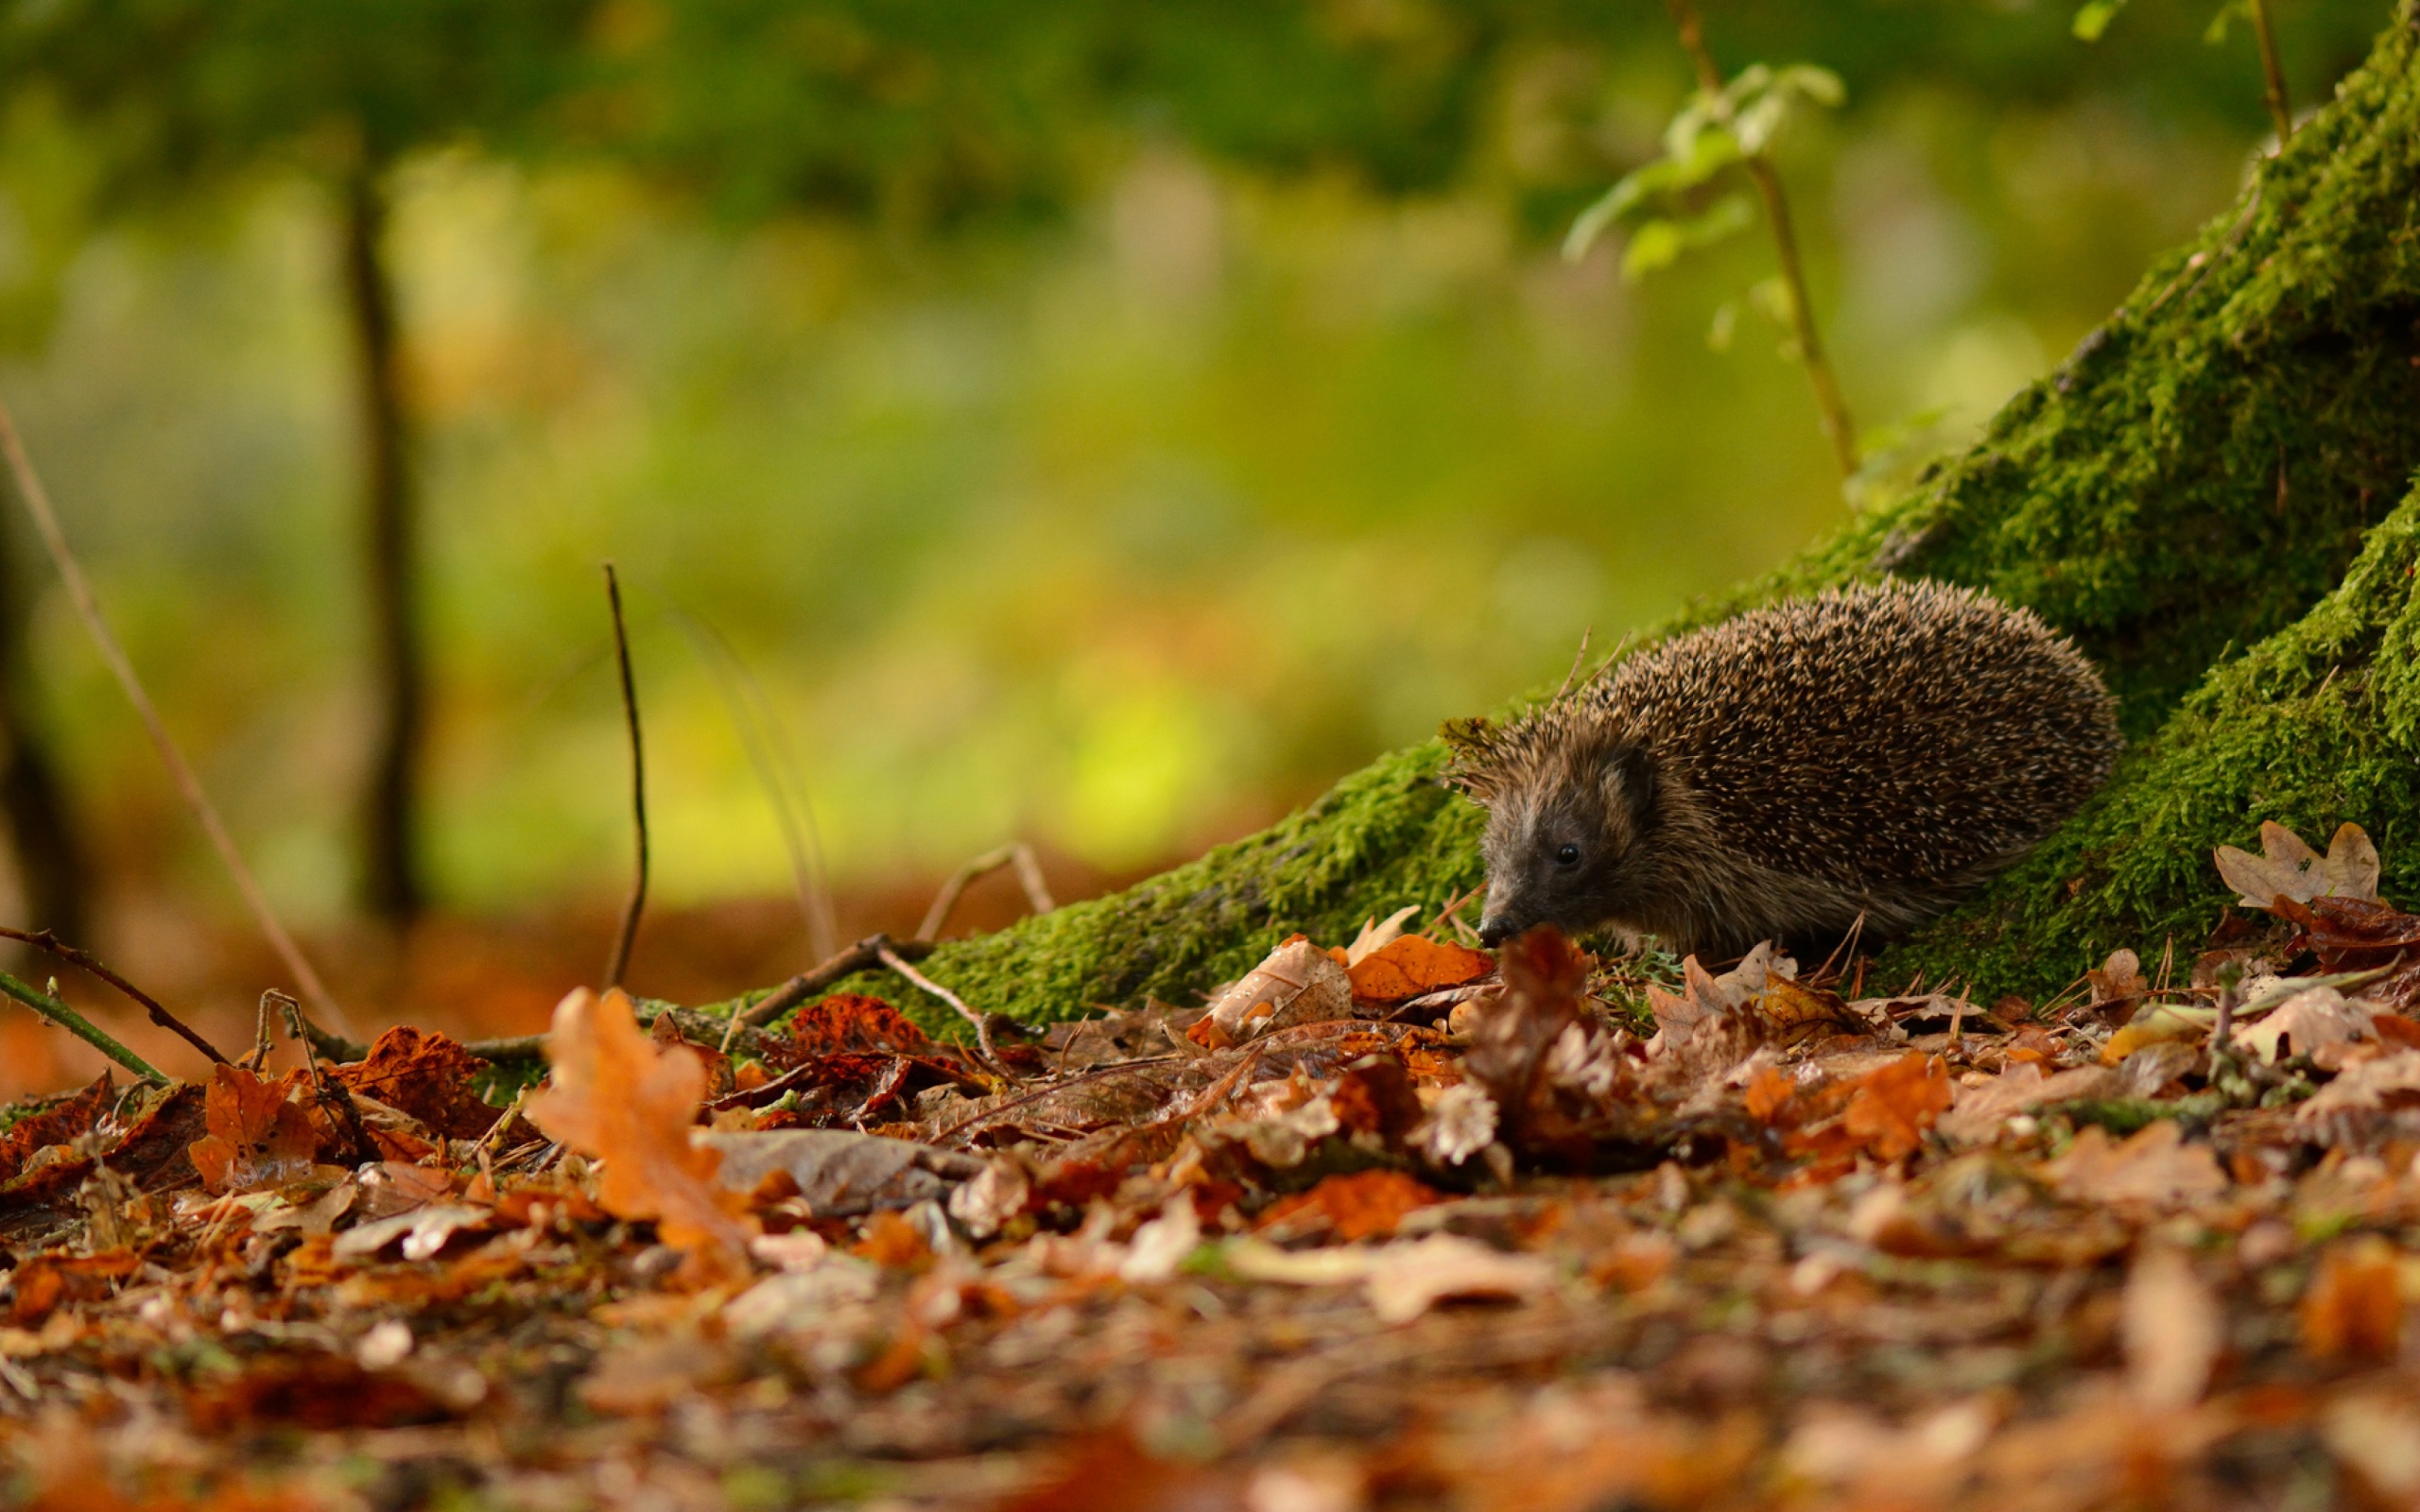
(59, 1123)
(839, 1173)
(2155, 1167)
(1894, 1105)
(427, 1076)
(2120, 977)
(615, 1095)
(2289, 868)
(423, 1231)
(1411, 966)
(1377, 934)
(2314, 1016)
(1297, 983)
(847, 1022)
(1403, 1280)
(321, 1392)
(2173, 1330)
(2388, 1082)
(259, 1135)
(1351, 1207)
(2354, 1307)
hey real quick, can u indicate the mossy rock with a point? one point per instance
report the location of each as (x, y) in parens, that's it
(2184, 496)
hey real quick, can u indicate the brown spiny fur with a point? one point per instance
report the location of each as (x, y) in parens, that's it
(1876, 750)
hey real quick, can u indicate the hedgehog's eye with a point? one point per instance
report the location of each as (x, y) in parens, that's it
(1568, 856)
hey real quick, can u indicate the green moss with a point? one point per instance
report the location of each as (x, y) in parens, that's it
(2195, 479)
(2316, 725)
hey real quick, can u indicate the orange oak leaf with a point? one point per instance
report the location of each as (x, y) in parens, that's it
(1894, 1105)
(617, 1097)
(1411, 964)
(258, 1136)
(426, 1075)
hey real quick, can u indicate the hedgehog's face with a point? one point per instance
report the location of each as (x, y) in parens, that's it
(1562, 847)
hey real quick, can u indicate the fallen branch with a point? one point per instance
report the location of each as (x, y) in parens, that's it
(43, 939)
(620, 959)
(88, 608)
(1016, 853)
(76, 1025)
(864, 955)
(989, 1056)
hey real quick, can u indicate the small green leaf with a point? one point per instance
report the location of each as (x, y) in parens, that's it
(1812, 83)
(2233, 10)
(2093, 18)
(1592, 222)
(1658, 243)
(1726, 323)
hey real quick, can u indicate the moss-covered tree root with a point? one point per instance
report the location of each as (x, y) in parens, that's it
(2195, 480)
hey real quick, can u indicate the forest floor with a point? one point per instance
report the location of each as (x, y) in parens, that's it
(1389, 1223)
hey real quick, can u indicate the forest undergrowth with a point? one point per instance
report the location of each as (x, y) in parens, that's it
(1389, 1222)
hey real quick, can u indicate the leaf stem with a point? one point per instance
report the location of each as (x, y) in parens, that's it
(76, 1025)
(1833, 407)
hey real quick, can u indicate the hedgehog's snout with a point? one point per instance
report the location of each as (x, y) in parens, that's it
(1494, 929)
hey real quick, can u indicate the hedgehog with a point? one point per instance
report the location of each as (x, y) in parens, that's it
(1853, 763)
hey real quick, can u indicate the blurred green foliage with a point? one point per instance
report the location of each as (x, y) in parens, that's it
(1105, 423)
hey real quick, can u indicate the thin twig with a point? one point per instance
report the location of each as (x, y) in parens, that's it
(989, 1056)
(330, 1092)
(88, 608)
(43, 939)
(1097, 1074)
(862, 957)
(621, 960)
(2273, 72)
(76, 1025)
(776, 767)
(1837, 427)
(1016, 853)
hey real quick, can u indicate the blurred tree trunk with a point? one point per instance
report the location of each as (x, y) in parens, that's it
(51, 864)
(390, 877)
(2184, 496)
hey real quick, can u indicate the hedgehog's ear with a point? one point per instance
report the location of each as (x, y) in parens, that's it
(1629, 781)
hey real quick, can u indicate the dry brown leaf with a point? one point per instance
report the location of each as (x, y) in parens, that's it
(2154, 1168)
(2353, 1308)
(257, 1138)
(2390, 1081)
(2289, 868)
(2174, 1330)
(1296, 983)
(430, 1077)
(2314, 1016)
(1894, 1106)
(615, 1095)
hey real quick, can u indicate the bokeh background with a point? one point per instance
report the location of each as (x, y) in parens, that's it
(1036, 422)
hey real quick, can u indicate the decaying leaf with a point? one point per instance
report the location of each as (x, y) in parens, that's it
(615, 1095)
(2174, 1330)
(430, 1077)
(2154, 1168)
(1402, 1279)
(1297, 983)
(838, 1173)
(2312, 1018)
(2353, 1308)
(1894, 1105)
(259, 1136)
(2289, 868)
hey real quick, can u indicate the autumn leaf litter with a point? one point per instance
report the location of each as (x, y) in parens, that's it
(1386, 1222)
